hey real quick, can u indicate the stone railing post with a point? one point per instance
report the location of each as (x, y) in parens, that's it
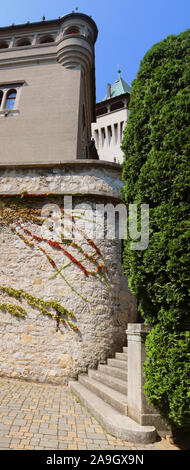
(138, 407)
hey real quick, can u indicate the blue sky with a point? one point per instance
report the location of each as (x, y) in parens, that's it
(127, 29)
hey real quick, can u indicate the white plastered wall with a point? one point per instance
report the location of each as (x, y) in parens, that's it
(108, 134)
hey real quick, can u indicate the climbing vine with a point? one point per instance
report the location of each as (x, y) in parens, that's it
(38, 303)
(19, 216)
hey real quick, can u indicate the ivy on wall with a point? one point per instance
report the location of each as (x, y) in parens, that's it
(44, 307)
(20, 214)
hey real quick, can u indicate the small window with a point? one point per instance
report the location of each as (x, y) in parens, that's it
(96, 134)
(72, 30)
(116, 133)
(10, 99)
(3, 45)
(46, 39)
(23, 42)
(121, 130)
(101, 111)
(103, 134)
(109, 134)
(117, 105)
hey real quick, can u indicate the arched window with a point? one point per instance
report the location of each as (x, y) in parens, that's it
(10, 99)
(46, 39)
(101, 111)
(72, 30)
(1, 97)
(23, 42)
(3, 45)
(117, 105)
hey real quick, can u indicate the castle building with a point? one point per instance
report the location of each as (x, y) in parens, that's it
(111, 119)
(47, 90)
(65, 297)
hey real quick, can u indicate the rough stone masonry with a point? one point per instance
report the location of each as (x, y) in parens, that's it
(36, 347)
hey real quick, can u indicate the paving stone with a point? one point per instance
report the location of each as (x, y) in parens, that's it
(63, 446)
(91, 435)
(20, 422)
(38, 448)
(34, 430)
(36, 424)
(93, 447)
(65, 427)
(81, 434)
(34, 442)
(62, 433)
(4, 442)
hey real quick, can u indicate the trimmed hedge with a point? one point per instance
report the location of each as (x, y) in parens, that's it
(156, 145)
(166, 370)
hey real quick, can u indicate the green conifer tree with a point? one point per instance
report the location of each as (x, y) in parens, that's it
(156, 145)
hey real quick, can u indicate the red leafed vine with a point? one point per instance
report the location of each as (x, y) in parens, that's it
(24, 219)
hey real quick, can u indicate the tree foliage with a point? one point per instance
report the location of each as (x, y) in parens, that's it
(156, 145)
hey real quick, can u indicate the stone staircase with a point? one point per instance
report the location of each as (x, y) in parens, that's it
(104, 393)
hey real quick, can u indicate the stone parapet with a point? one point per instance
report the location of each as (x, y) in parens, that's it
(80, 177)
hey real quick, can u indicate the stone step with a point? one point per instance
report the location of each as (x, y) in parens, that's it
(121, 356)
(116, 399)
(125, 349)
(117, 363)
(115, 423)
(113, 371)
(113, 382)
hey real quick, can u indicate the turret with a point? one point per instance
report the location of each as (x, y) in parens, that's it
(75, 50)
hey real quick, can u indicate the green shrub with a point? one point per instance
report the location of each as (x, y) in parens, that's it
(166, 370)
(156, 145)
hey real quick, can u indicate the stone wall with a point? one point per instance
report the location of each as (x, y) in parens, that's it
(86, 177)
(38, 347)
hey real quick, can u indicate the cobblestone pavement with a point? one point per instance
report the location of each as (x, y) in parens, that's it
(43, 416)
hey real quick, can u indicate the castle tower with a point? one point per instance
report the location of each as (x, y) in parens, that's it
(111, 118)
(64, 302)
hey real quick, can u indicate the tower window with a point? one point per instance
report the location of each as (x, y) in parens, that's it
(96, 134)
(10, 99)
(23, 42)
(72, 30)
(109, 134)
(103, 134)
(46, 39)
(3, 45)
(101, 111)
(116, 133)
(117, 105)
(121, 130)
